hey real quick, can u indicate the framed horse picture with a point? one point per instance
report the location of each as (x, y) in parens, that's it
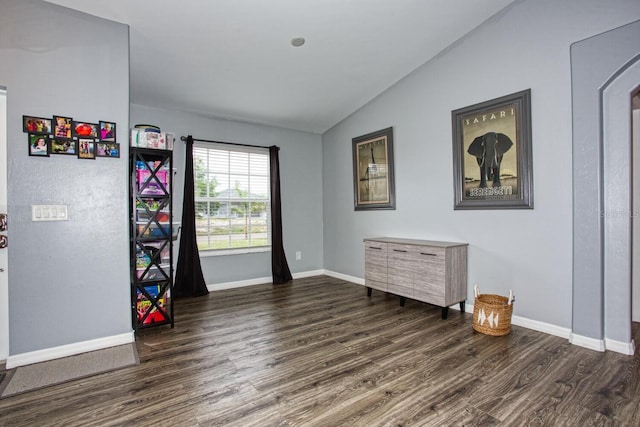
(373, 183)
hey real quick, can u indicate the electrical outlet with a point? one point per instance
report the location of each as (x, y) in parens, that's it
(298, 256)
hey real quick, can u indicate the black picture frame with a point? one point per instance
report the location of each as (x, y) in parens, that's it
(107, 131)
(35, 146)
(36, 125)
(62, 127)
(492, 160)
(84, 130)
(86, 148)
(61, 146)
(373, 171)
(107, 149)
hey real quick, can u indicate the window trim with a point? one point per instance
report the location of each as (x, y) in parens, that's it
(205, 253)
(243, 149)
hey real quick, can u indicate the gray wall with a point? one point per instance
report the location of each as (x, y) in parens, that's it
(529, 251)
(301, 187)
(68, 281)
(605, 71)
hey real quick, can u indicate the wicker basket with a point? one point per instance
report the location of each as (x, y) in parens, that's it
(492, 313)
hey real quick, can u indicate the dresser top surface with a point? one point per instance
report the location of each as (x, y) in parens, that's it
(416, 242)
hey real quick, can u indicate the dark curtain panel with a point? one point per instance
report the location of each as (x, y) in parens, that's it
(279, 267)
(189, 279)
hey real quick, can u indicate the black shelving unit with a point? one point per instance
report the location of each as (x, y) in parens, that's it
(151, 237)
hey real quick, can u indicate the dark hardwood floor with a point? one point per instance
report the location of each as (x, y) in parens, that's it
(318, 352)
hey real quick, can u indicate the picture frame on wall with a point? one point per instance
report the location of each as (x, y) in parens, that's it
(107, 131)
(64, 146)
(107, 149)
(373, 171)
(62, 127)
(38, 145)
(492, 167)
(84, 130)
(39, 125)
(86, 148)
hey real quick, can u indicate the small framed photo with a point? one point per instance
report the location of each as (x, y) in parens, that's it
(107, 131)
(63, 146)
(38, 145)
(39, 125)
(107, 149)
(84, 130)
(86, 148)
(373, 176)
(62, 127)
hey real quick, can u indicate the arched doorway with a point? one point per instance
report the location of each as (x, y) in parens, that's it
(605, 72)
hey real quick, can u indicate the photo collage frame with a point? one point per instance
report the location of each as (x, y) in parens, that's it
(61, 135)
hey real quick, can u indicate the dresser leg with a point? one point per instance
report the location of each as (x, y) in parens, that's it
(402, 301)
(368, 291)
(461, 306)
(445, 312)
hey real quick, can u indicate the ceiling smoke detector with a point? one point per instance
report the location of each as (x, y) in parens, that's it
(297, 41)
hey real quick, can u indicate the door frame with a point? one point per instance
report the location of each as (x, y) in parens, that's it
(4, 275)
(602, 68)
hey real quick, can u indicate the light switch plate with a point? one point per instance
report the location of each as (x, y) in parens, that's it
(49, 213)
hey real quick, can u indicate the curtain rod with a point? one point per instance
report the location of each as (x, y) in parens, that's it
(184, 139)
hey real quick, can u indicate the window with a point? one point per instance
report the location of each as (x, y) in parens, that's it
(232, 195)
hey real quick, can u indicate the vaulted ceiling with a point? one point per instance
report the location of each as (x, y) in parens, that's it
(234, 58)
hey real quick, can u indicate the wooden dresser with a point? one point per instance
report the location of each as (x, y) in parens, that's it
(429, 271)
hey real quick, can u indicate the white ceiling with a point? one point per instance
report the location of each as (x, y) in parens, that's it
(233, 58)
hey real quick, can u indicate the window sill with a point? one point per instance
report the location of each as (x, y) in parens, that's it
(224, 252)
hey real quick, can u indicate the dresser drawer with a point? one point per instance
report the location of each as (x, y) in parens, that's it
(376, 253)
(431, 255)
(375, 262)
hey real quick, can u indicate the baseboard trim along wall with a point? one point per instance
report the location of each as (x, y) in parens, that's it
(356, 280)
(547, 328)
(259, 281)
(628, 348)
(14, 361)
(586, 342)
(515, 320)
(238, 284)
(52, 353)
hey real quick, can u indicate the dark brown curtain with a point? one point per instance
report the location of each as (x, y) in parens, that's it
(189, 279)
(279, 267)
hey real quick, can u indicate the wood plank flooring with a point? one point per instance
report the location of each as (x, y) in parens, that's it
(318, 352)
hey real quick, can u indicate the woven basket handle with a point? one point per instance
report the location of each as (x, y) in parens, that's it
(476, 292)
(510, 297)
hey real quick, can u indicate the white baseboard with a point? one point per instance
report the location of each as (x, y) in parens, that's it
(239, 284)
(43, 355)
(352, 279)
(310, 273)
(259, 281)
(628, 348)
(535, 325)
(13, 361)
(587, 342)
(547, 328)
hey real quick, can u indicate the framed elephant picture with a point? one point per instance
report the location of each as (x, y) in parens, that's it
(492, 154)
(373, 182)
